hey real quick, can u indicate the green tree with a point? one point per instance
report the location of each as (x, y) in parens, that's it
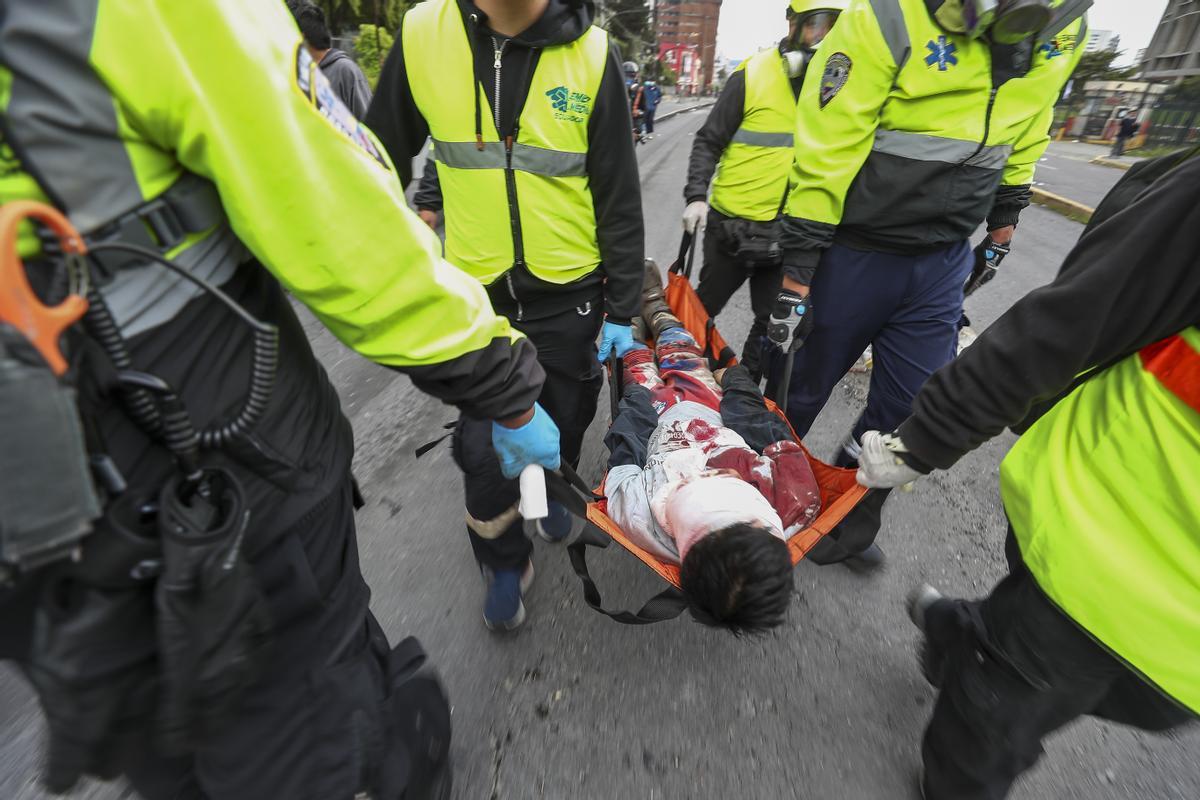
(1098, 66)
(371, 47)
(340, 13)
(628, 24)
(343, 14)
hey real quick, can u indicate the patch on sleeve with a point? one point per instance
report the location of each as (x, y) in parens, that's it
(316, 87)
(837, 72)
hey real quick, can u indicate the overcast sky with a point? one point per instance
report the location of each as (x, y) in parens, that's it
(759, 23)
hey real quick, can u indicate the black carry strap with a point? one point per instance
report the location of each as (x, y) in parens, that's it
(567, 488)
(616, 383)
(683, 266)
(665, 605)
(687, 256)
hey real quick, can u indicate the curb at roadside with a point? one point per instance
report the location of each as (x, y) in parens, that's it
(1065, 206)
(1105, 161)
(678, 111)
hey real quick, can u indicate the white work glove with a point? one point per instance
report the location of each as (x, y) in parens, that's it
(695, 216)
(880, 466)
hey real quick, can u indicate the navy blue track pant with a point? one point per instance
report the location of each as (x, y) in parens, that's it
(908, 309)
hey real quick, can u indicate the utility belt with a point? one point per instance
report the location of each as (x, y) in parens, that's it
(757, 245)
(145, 586)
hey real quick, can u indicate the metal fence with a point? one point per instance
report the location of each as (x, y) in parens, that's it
(1174, 124)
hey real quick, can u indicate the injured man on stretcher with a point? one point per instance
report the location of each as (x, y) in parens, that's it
(701, 473)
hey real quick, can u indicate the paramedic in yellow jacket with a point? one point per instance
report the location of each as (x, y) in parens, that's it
(205, 132)
(1100, 612)
(747, 142)
(921, 120)
(526, 106)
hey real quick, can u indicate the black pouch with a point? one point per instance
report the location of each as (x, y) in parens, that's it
(93, 656)
(418, 727)
(211, 617)
(757, 245)
(47, 500)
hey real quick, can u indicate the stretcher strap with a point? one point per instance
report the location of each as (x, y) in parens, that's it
(687, 256)
(665, 605)
(616, 383)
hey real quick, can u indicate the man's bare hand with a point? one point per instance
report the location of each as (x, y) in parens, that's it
(795, 286)
(429, 217)
(1003, 235)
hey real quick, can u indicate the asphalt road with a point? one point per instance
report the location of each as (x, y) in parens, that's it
(830, 706)
(1066, 170)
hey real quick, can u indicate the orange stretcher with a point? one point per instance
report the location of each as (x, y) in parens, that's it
(839, 491)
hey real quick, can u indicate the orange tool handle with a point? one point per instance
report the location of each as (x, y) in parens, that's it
(42, 325)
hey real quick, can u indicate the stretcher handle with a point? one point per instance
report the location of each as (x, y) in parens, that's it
(20, 307)
(616, 384)
(533, 505)
(687, 256)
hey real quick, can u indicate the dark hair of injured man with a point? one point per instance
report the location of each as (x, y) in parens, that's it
(738, 578)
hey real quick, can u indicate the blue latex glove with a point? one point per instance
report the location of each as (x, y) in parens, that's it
(535, 442)
(615, 337)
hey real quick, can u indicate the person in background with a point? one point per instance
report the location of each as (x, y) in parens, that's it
(653, 98)
(1126, 130)
(344, 75)
(637, 100)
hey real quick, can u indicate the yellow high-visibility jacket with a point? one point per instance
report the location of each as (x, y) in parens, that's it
(905, 132)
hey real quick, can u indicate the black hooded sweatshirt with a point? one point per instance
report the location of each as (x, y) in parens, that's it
(611, 162)
(1132, 280)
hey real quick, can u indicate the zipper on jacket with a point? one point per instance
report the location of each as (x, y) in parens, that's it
(514, 218)
(987, 123)
(510, 176)
(987, 118)
(498, 66)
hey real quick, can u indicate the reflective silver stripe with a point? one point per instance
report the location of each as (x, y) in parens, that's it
(992, 157)
(922, 147)
(552, 163)
(61, 114)
(895, 32)
(536, 160)
(760, 139)
(55, 96)
(466, 155)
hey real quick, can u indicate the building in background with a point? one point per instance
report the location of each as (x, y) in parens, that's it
(1106, 102)
(1102, 40)
(692, 26)
(1174, 52)
(685, 61)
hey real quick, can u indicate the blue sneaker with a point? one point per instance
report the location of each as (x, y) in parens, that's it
(560, 525)
(504, 607)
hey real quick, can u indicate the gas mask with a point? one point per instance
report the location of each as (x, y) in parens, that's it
(811, 30)
(1005, 21)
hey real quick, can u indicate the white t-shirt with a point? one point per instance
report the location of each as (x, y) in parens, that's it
(687, 436)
